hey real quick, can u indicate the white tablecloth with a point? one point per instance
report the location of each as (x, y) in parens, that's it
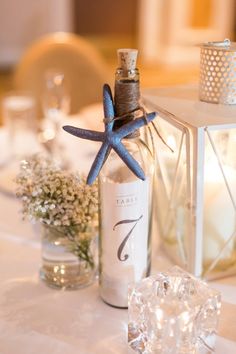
(35, 319)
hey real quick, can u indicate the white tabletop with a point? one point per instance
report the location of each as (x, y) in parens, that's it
(36, 319)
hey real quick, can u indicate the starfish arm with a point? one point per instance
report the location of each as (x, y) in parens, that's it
(84, 133)
(108, 105)
(129, 161)
(134, 125)
(98, 162)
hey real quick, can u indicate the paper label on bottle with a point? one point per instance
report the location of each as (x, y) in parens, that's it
(124, 227)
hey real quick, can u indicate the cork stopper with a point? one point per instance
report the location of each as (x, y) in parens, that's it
(127, 58)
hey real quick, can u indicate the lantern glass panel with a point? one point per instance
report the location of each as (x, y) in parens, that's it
(172, 191)
(219, 223)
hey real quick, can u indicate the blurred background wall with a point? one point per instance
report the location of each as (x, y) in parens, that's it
(165, 31)
(110, 25)
(22, 22)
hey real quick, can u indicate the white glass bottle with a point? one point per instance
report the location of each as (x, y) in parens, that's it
(125, 213)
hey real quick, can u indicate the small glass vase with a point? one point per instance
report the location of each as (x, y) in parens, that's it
(69, 256)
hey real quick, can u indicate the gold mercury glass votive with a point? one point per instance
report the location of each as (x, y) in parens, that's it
(218, 72)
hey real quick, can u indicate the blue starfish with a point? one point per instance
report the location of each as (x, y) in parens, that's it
(111, 139)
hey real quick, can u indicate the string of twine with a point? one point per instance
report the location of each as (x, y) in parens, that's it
(127, 97)
(127, 105)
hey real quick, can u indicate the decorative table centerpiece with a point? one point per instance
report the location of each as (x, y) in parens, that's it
(67, 210)
(125, 167)
(196, 194)
(173, 313)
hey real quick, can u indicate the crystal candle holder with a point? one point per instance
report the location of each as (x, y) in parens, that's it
(173, 313)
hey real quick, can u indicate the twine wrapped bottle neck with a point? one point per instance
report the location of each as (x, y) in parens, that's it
(127, 97)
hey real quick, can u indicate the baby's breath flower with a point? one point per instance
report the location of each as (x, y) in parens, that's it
(56, 197)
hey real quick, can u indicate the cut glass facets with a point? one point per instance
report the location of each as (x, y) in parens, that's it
(173, 313)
